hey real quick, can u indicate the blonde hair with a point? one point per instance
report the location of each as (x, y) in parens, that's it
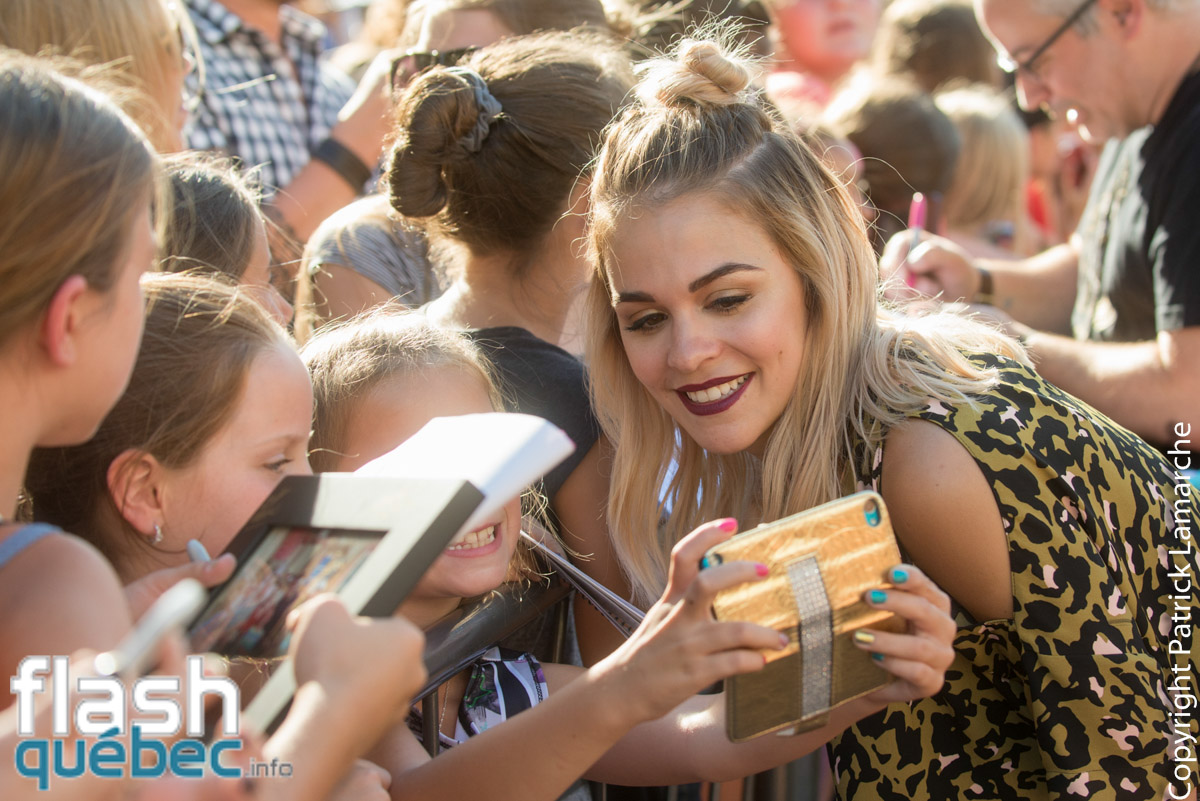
(135, 37)
(993, 160)
(76, 170)
(699, 129)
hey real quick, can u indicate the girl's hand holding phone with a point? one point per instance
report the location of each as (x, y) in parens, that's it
(680, 648)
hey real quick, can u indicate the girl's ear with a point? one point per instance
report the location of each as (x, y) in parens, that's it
(60, 328)
(135, 482)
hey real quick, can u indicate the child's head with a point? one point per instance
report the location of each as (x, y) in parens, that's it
(77, 190)
(934, 42)
(987, 196)
(826, 37)
(141, 39)
(487, 156)
(215, 225)
(908, 145)
(217, 411)
(376, 382)
(664, 22)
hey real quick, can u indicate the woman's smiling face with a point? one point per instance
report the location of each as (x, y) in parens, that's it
(712, 319)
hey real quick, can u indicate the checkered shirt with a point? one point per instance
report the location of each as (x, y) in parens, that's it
(256, 106)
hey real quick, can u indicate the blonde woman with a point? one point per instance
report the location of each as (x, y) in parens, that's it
(141, 41)
(735, 331)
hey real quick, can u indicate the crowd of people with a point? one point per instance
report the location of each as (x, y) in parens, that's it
(231, 252)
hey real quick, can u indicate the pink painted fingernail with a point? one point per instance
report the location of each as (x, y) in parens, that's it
(761, 569)
(728, 524)
(784, 640)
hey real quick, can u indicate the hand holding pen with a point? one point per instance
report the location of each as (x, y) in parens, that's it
(917, 211)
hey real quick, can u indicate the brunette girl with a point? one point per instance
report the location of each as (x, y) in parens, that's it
(215, 225)
(216, 412)
(488, 160)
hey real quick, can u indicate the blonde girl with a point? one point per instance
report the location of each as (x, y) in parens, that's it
(985, 203)
(140, 41)
(735, 330)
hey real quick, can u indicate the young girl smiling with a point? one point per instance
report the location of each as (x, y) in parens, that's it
(631, 719)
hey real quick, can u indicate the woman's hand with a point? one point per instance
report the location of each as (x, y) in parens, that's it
(680, 648)
(919, 658)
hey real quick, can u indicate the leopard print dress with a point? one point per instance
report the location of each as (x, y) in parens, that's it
(1072, 697)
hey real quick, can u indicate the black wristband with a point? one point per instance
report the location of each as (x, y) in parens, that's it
(342, 160)
(986, 294)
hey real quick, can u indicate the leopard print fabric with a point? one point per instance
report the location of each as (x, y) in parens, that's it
(1068, 699)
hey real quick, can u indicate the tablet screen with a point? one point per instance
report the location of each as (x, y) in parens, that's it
(288, 566)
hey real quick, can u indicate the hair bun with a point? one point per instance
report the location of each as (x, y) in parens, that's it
(702, 73)
(441, 120)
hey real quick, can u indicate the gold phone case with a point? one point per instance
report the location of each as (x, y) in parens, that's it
(822, 562)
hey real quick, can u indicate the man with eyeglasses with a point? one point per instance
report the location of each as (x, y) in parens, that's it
(1127, 285)
(271, 101)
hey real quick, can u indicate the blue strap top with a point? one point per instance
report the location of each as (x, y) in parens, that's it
(25, 536)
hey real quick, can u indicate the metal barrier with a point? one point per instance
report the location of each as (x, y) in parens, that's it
(457, 640)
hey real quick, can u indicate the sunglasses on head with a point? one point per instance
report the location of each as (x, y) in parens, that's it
(417, 61)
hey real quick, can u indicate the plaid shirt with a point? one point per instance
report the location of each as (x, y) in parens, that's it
(267, 106)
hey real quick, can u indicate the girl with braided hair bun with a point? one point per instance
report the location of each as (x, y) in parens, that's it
(740, 358)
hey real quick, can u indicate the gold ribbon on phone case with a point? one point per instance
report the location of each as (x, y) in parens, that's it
(822, 562)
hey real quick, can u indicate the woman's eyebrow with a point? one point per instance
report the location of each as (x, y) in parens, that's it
(699, 283)
(719, 272)
(633, 297)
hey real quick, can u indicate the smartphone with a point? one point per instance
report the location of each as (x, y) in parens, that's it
(821, 563)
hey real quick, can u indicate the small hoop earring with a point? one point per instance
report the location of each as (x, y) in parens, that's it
(157, 536)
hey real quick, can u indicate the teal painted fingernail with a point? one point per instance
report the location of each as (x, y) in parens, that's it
(899, 575)
(878, 657)
(877, 596)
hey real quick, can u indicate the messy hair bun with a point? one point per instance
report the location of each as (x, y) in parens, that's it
(702, 73)
(487, 153)
(436, 119)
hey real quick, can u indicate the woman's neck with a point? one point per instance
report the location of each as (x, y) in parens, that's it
(486, 295)
(14, 459)
(20, 428)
